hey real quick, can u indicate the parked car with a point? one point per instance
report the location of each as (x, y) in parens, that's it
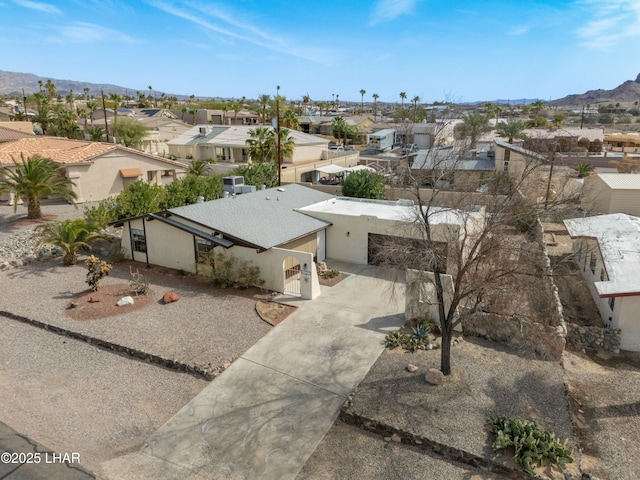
(336, 147)
(409, 148)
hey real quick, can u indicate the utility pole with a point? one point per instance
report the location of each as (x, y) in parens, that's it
(278, 135)
(24, 101)
(104, 112)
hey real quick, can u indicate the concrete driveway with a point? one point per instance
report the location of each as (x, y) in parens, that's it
(265, 415)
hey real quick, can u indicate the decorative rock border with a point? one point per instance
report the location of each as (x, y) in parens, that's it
(594, 338)
(452, 453)
(204, 372)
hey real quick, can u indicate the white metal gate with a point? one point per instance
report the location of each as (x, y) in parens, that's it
(291, 276)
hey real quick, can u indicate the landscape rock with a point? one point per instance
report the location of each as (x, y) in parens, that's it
(434, 376)
(128, 300)
(395, 438)
(412, 368)
(94, 299)
(170, 297)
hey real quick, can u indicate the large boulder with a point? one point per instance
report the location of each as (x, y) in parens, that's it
(128, 300)
(434, 376)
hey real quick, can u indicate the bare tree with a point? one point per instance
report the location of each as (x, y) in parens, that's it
(468, 248)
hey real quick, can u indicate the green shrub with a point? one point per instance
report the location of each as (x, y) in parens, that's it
(395, 339)
(530, 444)
(525, 219)
(98, 269)
(421, 332)
(99, 216)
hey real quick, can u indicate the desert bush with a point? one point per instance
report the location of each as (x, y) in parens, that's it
(138, 282)
(396, 339)
(98, 269)
(229, 271)
(100, 215)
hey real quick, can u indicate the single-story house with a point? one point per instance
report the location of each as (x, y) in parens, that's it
(98, 170)
(229, 144)
(612, 193)
(514, 159)
(284, 231)
(608, 254)
(622, 142)
(11, 135)
(445, 168)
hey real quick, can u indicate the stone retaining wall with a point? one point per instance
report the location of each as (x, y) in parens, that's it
(458, 455)
(594, 338)
(206, 372)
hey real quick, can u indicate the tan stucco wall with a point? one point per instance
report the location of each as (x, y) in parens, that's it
(596, 195)
(102, 179)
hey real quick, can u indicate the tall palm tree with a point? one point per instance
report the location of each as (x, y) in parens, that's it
(305, 101)
(71, 100)
(117, 100)
(51, 89)
(415, 101)
(337, 101)
(92, 106)
(43, 117)
(33, 179)
(264, 100)
(151, 95)
(375, 104)
(362, 92)
(403, 96)
(69, 235)
(263, 144)
(512, 129)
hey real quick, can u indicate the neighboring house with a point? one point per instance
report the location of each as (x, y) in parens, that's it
(24, 127)
(622, 142)
(607, 248)
(98, 170)
(451, 170)
(229, 144)
(161, 131)
(282, 230)
(10, 135)
(612, 193)
(515, 160)
(218, 117)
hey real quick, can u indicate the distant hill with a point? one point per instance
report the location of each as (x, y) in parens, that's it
(628, 92)
(12, 83)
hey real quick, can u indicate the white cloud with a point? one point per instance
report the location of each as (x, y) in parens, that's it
(83, 32)
(519, 31)
(214, 19)
(43, 7)
(388, 10)
(612, 23)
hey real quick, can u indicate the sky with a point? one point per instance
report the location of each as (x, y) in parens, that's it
(437, 50)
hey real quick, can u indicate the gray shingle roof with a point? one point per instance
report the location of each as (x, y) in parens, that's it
(265, 218)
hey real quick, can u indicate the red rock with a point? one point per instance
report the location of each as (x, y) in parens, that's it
(94, 299)
(434, 376)
(170, 297)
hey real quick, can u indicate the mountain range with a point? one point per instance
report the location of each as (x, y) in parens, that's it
(13, 84)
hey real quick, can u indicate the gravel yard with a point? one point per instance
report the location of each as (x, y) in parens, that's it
(74, 397)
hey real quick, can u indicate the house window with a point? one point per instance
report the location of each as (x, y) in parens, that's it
(592, 263)
(139, 240)
(612, 302)
(203, 247)
(222, 153)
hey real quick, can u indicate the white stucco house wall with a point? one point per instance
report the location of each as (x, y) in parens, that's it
(607, 249)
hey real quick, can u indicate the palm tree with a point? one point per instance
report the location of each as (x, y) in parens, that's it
(362, 92)
(537, 106)
(263, 144)
(116, 99)
(95, 133)
(512, 129)
(583, 169)
(415, 101)
(92, 106)
(33, 179)
(43, 117)
(264, 100)
(337, 101)
(151, 95)
(375, 104)
(403, 96)
(305, 101)
(70, 100)
(69, 235)
(474, 125)
(51, 89)
(199, 167)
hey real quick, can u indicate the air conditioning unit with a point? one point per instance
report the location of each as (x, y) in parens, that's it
(234, 185)
(203, 131)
